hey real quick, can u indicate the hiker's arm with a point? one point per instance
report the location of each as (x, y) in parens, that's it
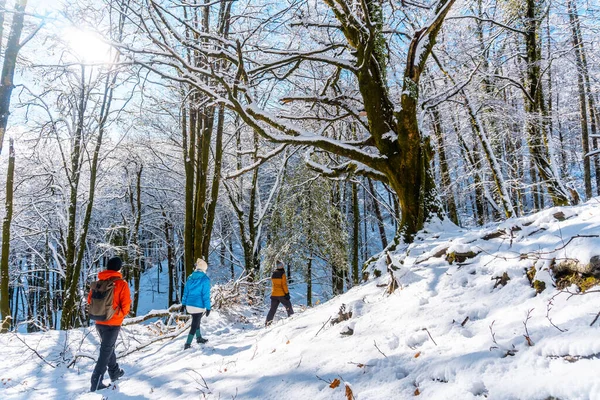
(186, 290)
(125, 300)
(206, 295)
(284, 284)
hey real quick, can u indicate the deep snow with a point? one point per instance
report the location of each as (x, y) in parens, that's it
(407, 344)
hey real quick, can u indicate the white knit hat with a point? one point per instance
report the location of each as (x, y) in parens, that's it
(201, 265)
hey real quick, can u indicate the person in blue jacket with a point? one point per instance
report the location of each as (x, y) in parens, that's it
(196, 299)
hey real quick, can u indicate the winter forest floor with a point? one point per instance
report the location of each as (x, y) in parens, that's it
(446, 333)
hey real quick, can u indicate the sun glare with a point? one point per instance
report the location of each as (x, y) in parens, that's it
(87, 46)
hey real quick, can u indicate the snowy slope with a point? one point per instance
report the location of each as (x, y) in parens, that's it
(414, 342)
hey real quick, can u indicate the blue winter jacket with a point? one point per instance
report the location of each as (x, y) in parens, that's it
(197, 291)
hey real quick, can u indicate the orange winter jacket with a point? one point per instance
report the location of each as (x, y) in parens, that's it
(280, 287)
(121, 298)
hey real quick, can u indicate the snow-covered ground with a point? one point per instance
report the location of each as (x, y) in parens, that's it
(446, 333)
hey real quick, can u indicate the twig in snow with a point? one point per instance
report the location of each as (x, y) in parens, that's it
(360, 365)
(322, 326)
(464, 321)
(493, 336)
(548, 308)
(78, 356)
(526, 335)
(375, 343)
(595, 319)
(430, 337)
(509, 352)
(203, 384)
(255, 350)
(167, 336)
(34, 351)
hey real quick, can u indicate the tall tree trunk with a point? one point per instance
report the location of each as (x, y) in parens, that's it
(189, 159)
(252, 264)
(6, 87)
(2, 14)
(583, 71)
(10, 62)
(136, 211)
(75, 260)
(4, 270)
(378, 214)
(585, 143)
(214, 192)
(309, 281)
(535, 108)
(168, 228)
(71, 275)
(472, 160)
(444, 170)
(355, 233)
(338, 271)
(203, 139)
(495, 170)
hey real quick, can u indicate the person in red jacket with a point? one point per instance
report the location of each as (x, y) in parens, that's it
(279, 293)
(109, 330)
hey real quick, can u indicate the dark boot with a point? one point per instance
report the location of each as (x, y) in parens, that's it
(187, 346)
(201, 340)
(117, 375)
(98, 386)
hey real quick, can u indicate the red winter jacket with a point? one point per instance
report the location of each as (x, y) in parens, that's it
(121, 298)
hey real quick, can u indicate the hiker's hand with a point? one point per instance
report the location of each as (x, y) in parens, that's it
(207, 313)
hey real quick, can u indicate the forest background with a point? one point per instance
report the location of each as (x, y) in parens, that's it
(243, 132)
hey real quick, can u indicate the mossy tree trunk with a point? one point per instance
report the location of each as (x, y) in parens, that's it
(399, 154)
(4, 269)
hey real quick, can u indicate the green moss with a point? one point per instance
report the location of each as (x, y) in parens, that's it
(450, 257)
(588, 283)
(582, 281)
(459, 257)
(530, 274)
(539, 286)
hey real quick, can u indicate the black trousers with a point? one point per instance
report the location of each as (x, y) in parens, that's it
(275, 301)
(196, 318)
(107, 358)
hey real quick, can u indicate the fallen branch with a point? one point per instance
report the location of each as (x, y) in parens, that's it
(509, 352)
(78, 356)
(526, 335)
(143, 345)
(549, 307)
(430, 337)
(382, 353)
(34, 351)
(572, 359)
(155, 314)
(322, 326)
(203, 384)
(595, 319)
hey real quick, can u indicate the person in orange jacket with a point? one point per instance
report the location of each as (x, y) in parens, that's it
(279, 293)
(109, 330)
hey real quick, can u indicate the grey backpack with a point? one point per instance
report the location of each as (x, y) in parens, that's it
(103, 293)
